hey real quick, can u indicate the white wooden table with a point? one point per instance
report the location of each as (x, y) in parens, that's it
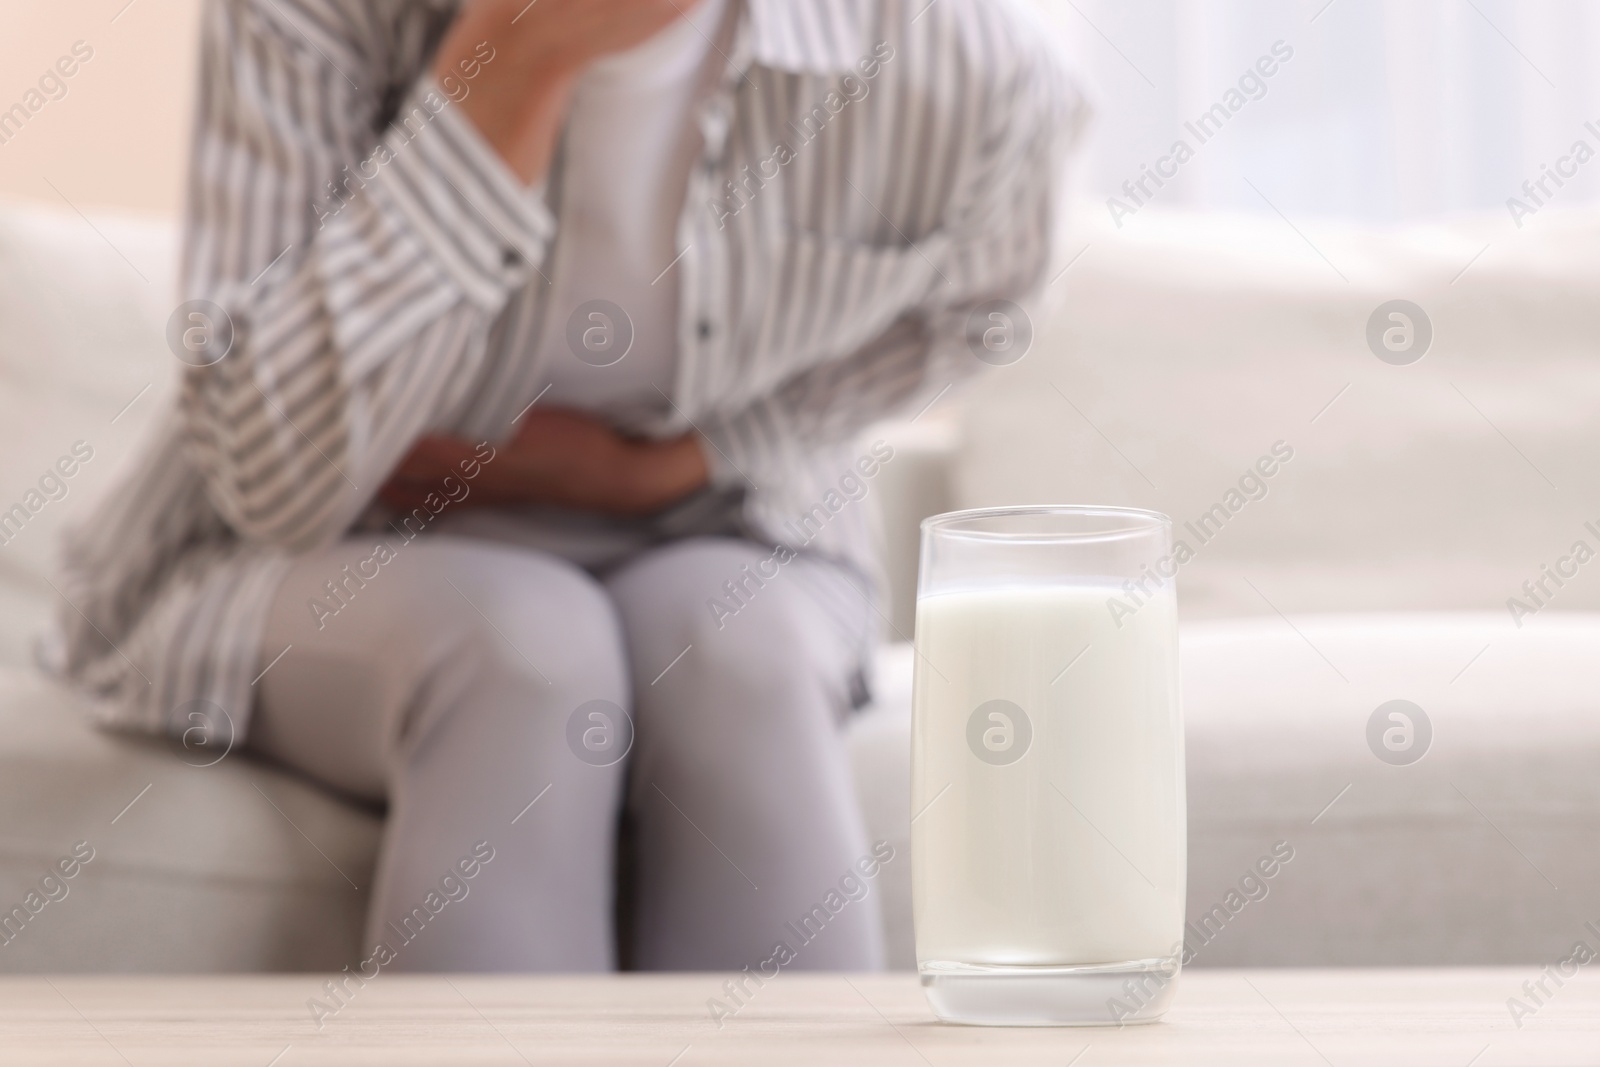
(1414, 1018)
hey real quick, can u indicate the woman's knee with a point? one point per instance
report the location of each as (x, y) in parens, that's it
(522, 613)
(774, 662)
(674, 598)
(448, 612)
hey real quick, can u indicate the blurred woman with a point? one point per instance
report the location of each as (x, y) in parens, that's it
(514, 480)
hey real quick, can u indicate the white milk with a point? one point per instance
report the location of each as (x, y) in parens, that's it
(1006, 870)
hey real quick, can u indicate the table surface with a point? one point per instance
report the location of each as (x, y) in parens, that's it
(1411, 1017)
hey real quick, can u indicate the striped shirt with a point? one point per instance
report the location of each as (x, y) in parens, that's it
(873, 173)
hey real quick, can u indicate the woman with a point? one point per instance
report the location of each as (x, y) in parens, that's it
(513, 478)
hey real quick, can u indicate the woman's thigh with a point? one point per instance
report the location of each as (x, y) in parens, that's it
(370, 650)
(446, 681)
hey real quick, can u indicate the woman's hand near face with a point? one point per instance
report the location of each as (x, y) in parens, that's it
(520, 97)
(557, 458)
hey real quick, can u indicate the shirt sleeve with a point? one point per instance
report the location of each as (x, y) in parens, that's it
(358, 259)
(1001, 240)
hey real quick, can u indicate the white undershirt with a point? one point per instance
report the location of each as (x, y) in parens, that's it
(629, 148)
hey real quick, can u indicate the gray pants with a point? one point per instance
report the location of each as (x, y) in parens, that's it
(459, 684)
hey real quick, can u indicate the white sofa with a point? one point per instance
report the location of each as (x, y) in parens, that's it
(1376, 568)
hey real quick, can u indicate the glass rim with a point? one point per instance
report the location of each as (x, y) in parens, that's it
(1139, 521)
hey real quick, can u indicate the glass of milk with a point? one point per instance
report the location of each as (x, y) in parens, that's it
(1047, 783)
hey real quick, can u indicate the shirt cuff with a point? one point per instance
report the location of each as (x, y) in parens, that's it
(487, 229)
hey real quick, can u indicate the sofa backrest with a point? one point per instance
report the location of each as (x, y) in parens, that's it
(1182, 349)
(83, 370)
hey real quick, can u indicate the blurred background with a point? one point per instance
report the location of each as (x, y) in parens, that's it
(118, 137)
(1338, 156)
(1386, 113)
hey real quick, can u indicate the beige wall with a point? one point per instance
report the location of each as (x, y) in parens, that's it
(117, 137)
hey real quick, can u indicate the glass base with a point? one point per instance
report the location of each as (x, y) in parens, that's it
(1103, 994)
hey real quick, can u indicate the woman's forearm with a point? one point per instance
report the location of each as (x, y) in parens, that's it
(560, 458)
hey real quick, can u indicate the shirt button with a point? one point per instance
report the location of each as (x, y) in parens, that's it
(705, 329)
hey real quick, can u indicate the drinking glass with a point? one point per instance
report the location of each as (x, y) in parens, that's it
(1048, 815)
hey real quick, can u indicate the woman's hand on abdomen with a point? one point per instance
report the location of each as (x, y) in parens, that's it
(558, 458)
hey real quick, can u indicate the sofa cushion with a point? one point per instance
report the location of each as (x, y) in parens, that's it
(1452, 859)
(197, 866)
(1480, 852)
